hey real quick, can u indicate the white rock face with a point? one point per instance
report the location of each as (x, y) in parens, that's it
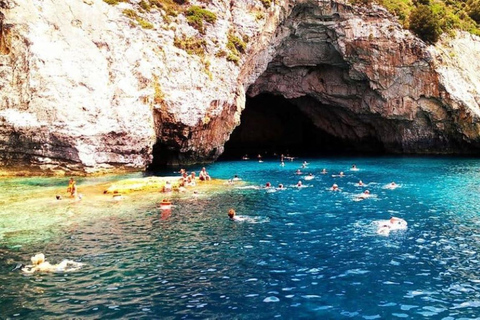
(99, 89)
(85, 88)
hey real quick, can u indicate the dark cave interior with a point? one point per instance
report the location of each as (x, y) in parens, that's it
(272, 125)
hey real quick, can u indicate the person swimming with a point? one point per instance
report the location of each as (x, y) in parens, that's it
(231, 214)
(310, 176)
(334, 187)
(364, 195)
(385, 226)
(391, 185)
(39, 264)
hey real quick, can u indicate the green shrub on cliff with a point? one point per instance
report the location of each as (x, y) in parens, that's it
(235, 43)
(473, 10)
(425, 24)
(113, 2)
(236, 47)
(132, 14)
(266, 3)
(430, 18)
(191, 45)
(196, 16)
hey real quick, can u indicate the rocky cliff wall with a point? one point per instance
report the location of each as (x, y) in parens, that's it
(85, 88)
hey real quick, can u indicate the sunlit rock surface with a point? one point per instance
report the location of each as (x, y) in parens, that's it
(84, 88)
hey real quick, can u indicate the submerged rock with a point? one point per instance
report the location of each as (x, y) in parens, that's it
(90, 87)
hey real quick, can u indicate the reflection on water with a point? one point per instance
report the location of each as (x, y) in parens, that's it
(299, 253)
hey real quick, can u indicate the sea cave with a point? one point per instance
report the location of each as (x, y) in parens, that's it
(272, 125)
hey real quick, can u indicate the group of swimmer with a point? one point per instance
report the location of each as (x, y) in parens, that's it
(383, 226)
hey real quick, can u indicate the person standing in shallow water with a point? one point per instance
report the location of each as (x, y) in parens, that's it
(70, 184)
(72, 188)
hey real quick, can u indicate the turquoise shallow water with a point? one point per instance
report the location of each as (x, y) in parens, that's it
(299, 253)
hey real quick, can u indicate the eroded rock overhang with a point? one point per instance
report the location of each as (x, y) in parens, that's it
(363, 80)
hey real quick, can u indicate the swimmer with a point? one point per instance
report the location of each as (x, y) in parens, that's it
(391, 186)
(299, 184)
(385, 226)
(231, 214)
(334, 187)
(236, 178)
(324, 171)
(360, 183)
(268, 185)
(309, 177)
(39, 264)
(280, 186)
(165, 204)
(282, 164)
(245, 157)
(298, 171)
(341, 175)
(366, 194)
(354, 168)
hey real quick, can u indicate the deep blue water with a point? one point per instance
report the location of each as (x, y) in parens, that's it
(299, 253)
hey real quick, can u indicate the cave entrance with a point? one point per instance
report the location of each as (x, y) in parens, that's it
(272, 125)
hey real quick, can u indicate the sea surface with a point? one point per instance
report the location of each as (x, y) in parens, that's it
(296, 253)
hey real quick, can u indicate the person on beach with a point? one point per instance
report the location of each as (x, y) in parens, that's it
(167, 187)
(203, 176)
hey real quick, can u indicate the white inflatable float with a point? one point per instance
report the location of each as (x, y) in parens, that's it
(385, 226)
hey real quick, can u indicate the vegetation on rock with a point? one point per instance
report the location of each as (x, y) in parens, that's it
(430, 18)
(114, 2)
(196, 16)
(192, 45)
(132, 14)
(236, 47)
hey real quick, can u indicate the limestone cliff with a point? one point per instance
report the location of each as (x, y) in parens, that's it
(86, 86)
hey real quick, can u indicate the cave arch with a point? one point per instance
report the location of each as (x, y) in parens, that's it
(272, 124)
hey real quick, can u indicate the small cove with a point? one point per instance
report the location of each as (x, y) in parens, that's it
(300, 253)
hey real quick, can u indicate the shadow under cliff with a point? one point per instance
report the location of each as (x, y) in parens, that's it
(272, 125)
